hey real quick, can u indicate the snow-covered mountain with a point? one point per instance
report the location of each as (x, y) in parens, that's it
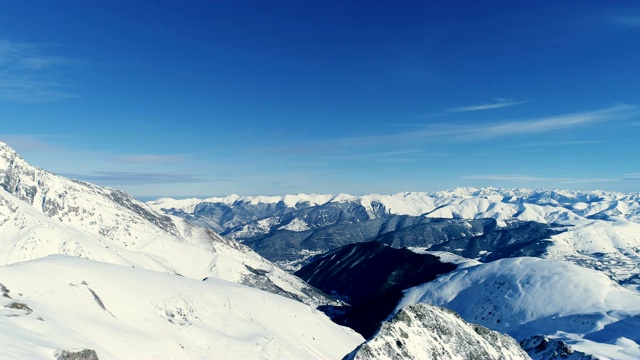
(594, 229)
(88, 272)
(42, 213)
(524, 297)
(61, 303)
(546, 206)
(422, 331)
(86, 268)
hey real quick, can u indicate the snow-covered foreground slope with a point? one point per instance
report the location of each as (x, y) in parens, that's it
(422, 331)
(529, 296)
(61, 302)
(42, 214)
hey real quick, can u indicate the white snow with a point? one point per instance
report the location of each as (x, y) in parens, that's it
(186, 205)
(81, 219)
(529, 296)
(296, 224)
(130, 313)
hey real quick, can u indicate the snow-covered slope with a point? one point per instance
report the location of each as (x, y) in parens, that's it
(61, 302)
(42, 213)
(529, 296)
(422, 331)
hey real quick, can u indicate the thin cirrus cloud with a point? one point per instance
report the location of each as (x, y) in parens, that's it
(460, 132)
(152, 159)
(499, 104)
(555, 143)
(471, 132)
(524, 178)
(137, 178)
(630, 21)
(28, 142)
(27, 73)
(468, 132)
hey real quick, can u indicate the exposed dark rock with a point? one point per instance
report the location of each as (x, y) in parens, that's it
(4, 291)
(79, 354)
(20, 306)
(542, 347)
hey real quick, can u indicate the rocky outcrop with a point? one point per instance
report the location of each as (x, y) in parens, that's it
(423, 331)
(542, 347)
(76, 354)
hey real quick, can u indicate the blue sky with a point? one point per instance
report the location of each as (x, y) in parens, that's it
(168, 98)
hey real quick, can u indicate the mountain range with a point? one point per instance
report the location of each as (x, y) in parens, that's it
(595, 229)
(555, 269)
(90, 272)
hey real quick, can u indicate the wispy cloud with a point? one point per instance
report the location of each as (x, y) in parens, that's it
(27, 73)
(27, 142)
(524, 178)
(632, 21)
(557, 180)
(458, 132)
(498, 104)
(448, 132)
(462, 131)
(555, 143)
(151, 159)
(137, 178)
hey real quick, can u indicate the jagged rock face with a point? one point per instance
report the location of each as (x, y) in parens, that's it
(72, 201)
(427, 332)
(80, 354)
(541, 347)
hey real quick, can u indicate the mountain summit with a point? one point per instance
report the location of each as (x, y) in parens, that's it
(90, 272)
(42, 214)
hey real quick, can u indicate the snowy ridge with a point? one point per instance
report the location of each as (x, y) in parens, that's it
(524, 297)
(422, 331)
(467, 203)
(289, 200)
(42, 214)
(61, 302)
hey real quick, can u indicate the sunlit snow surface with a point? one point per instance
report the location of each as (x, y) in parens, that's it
(47, 214)
(529, 296)
(87, 267)
(130, 313)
